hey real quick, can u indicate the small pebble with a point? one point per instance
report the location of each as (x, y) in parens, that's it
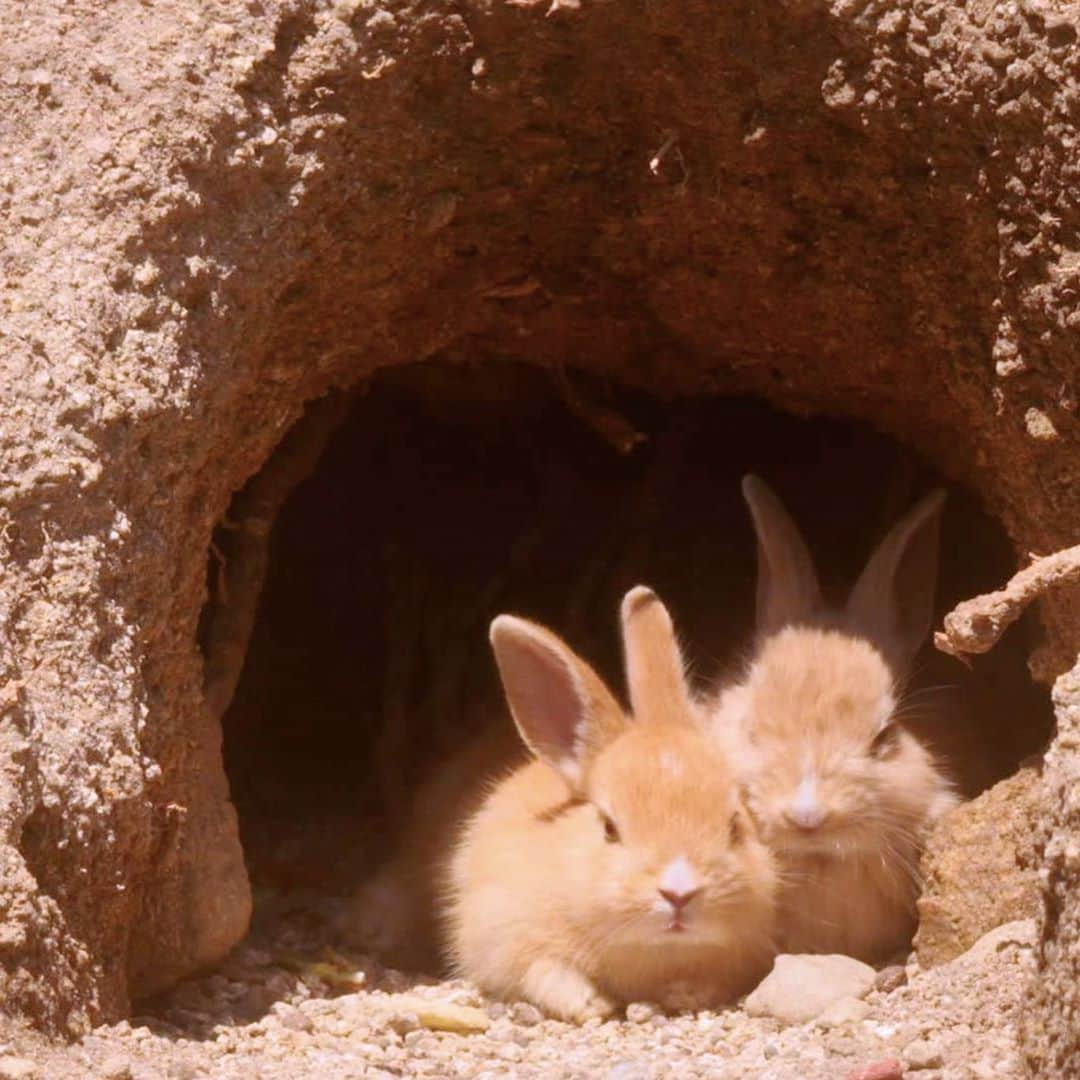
(116, 1068)
(640, 1012)
(627, 1070)
(923, 1054)
(17, 1068)
(403, 1022)
(523, 1013)
(289, 1016)
(887, 1069)
(502, 1030)
(1039, 425)
(891, 978)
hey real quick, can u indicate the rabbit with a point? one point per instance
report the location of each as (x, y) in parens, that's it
(620, 864)
(842, 793)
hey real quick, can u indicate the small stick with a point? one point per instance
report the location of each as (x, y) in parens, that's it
(606, 422)
(976, 625)
(658, 158)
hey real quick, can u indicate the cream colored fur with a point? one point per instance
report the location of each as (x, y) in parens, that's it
(554, 887)
(843, 795)
(812, 705)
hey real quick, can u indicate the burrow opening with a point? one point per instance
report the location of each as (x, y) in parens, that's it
(436, 496)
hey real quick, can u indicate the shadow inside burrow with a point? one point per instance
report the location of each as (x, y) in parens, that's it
(445, 496)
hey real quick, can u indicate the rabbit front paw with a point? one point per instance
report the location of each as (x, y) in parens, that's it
(565, 993)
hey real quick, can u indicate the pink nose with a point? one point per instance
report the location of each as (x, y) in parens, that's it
(679, 898)
(807, 818)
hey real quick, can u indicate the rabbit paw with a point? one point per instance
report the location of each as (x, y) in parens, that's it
(565, 993)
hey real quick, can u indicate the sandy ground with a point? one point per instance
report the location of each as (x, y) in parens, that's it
(286, 1006)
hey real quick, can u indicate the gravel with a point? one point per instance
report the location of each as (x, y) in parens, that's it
(286, 1006)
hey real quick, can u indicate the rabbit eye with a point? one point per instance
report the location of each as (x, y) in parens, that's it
(611, 831)
(736, 831)
(886, 741)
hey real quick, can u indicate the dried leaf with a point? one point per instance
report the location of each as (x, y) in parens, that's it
(332, 974)
(441, 1015)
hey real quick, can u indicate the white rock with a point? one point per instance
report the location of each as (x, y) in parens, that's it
(294, 1019)
(521, 1012)
(1021, 932)
(640, 1012)
(801, 988)
(890, 979)
(116, 1067)
(628, 1070)
(922, 1054)
(17, 1068)
(845, 1010)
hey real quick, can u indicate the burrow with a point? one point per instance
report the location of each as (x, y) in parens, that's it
(420, 504)
(533, 293)
(553, 348)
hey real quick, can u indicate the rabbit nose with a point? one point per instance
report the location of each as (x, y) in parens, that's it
(679, 884)
(805, 810)
(807, 818)
(679, 900)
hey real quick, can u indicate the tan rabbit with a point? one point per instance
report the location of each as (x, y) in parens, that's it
(842, 793)
(619, 865)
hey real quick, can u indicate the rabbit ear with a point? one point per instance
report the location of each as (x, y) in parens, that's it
(655, 673)
(893, 601)
(787, 587)
(562, 709)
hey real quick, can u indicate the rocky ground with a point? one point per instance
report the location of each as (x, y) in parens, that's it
(285, 1007)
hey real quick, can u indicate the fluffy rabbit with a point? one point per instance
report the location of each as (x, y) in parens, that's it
(842, 793)
(619, 865)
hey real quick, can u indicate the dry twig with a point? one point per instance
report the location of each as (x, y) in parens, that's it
(605, 421)
(976, 625)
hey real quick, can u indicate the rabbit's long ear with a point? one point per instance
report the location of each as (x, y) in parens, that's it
(892, 603)
(787, 585)
(655, 672)
(562, 708)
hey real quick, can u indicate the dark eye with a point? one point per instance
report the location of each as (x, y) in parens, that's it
(611, 832)
(886, 741)
(736, 830)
